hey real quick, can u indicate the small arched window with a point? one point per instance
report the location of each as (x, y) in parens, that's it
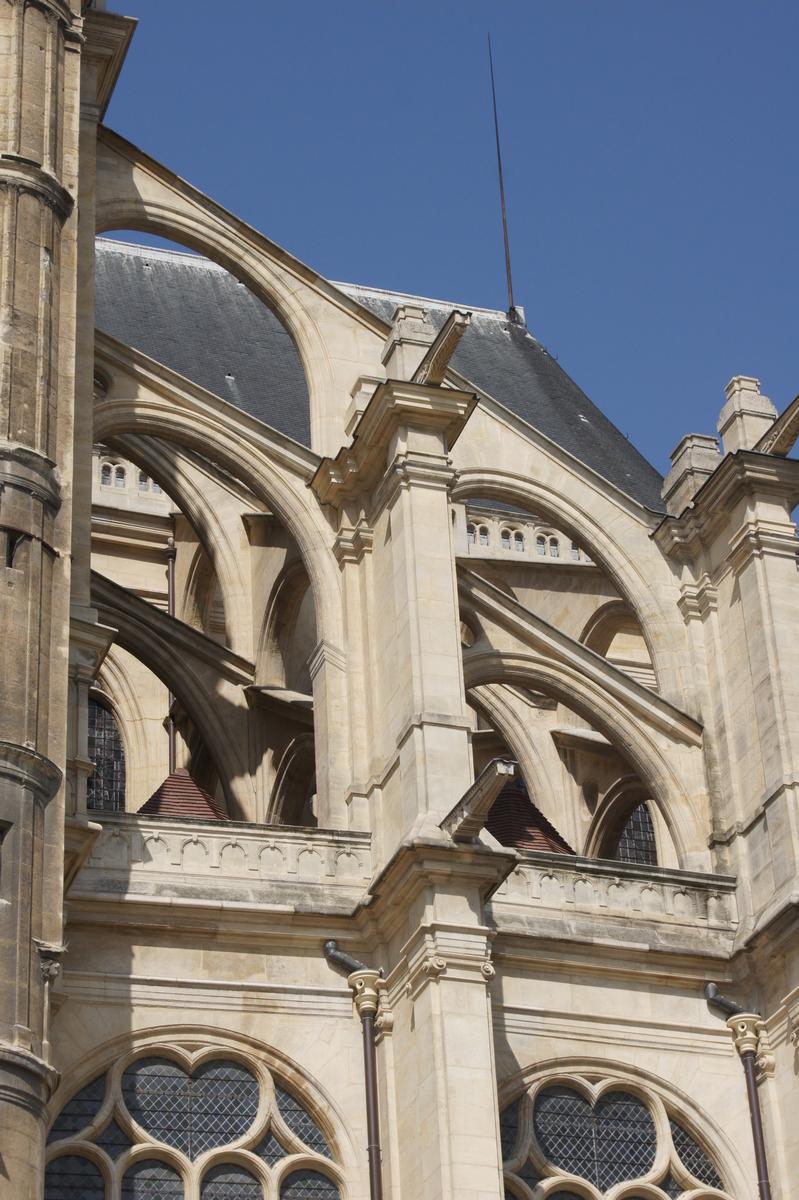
(119, 477)
(518, 542)
(105, 474)
(483, 535)
(541, 544)
(144, 482)
(575, 552)
(636, 842)
(505, 539)
(105, 787)
(554, 548)
(157, 487)
(471, 534)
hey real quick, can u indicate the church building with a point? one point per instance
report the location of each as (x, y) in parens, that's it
(399, 779)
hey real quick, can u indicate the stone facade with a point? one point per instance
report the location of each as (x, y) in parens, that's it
(365, 638)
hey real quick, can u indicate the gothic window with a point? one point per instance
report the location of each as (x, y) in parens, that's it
(167, 1130)
(518, 541)
(600, 1133)
(119, 477)
(483, 534)
(105, 474)
(105, 787)
(144, 482)
(505, 539)
(636, 842)
(471, 534)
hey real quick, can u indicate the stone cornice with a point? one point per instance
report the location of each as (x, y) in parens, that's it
(394, 407)
(108, 36)
(743, 474)
(29, 471)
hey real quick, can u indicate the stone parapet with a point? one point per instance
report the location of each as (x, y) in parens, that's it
(553, 894)
(198, 861)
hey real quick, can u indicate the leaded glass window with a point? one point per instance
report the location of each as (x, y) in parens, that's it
(636, 842)
(190, 1115)
(228, 1181)
(151, 1179)
(308, 1185)
(213, 1107)
(601, 1133)
(105, 787)
(73, 1177)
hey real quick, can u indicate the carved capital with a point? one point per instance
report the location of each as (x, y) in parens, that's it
(366, 988)
(488, 971)
(745, 1029)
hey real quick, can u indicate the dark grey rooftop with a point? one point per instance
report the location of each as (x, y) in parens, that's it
(198, 320)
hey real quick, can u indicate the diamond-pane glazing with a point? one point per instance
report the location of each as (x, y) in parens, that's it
(308, 1185)
(270, 1149)
(213, 1107)
(693, 1157)
(226, 1181)
(613, 1142)
(671, 1187)
(80, 1111)
(301, 1123)
(105, 787)
(637, 839)
(509, 1129)
(113, 1139)
(73, 1177)
(151, 1180)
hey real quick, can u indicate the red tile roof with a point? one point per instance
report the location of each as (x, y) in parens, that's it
(180, 796)
(515, 821)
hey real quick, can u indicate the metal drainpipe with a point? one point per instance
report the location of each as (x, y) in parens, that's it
(171, 552)
(366, 984)
(745, 1027)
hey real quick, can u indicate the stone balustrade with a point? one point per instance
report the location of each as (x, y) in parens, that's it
(555, 889)
(231, 861)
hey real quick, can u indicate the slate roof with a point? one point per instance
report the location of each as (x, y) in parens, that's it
(180, 796)
(194, 317)
(515, 821)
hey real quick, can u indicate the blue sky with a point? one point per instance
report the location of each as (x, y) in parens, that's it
(651, 158)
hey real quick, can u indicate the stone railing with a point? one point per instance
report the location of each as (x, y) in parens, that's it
(554, 889)
(233, 861)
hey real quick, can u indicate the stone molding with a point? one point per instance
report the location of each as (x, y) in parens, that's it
(25, 1080)
(29, 179)
(31, 472)
(464, 822)
(107, 39)
(28, 770)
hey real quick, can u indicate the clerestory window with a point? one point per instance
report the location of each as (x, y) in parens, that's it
(636, 842)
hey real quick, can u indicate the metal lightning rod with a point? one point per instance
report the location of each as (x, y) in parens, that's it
(511, 306)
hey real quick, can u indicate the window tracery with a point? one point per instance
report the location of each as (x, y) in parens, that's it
(591, 1136)
(161, 1124)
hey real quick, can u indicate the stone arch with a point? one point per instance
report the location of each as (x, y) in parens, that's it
(610, 621)
(115, 683)
(175, 470)
(491, 700)
(616, 806)
(136, 192)
(282, 612)
(184, 415)
(294, 781)
(601, 710)
(661, 628)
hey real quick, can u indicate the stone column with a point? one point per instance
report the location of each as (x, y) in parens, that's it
(39, 62)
